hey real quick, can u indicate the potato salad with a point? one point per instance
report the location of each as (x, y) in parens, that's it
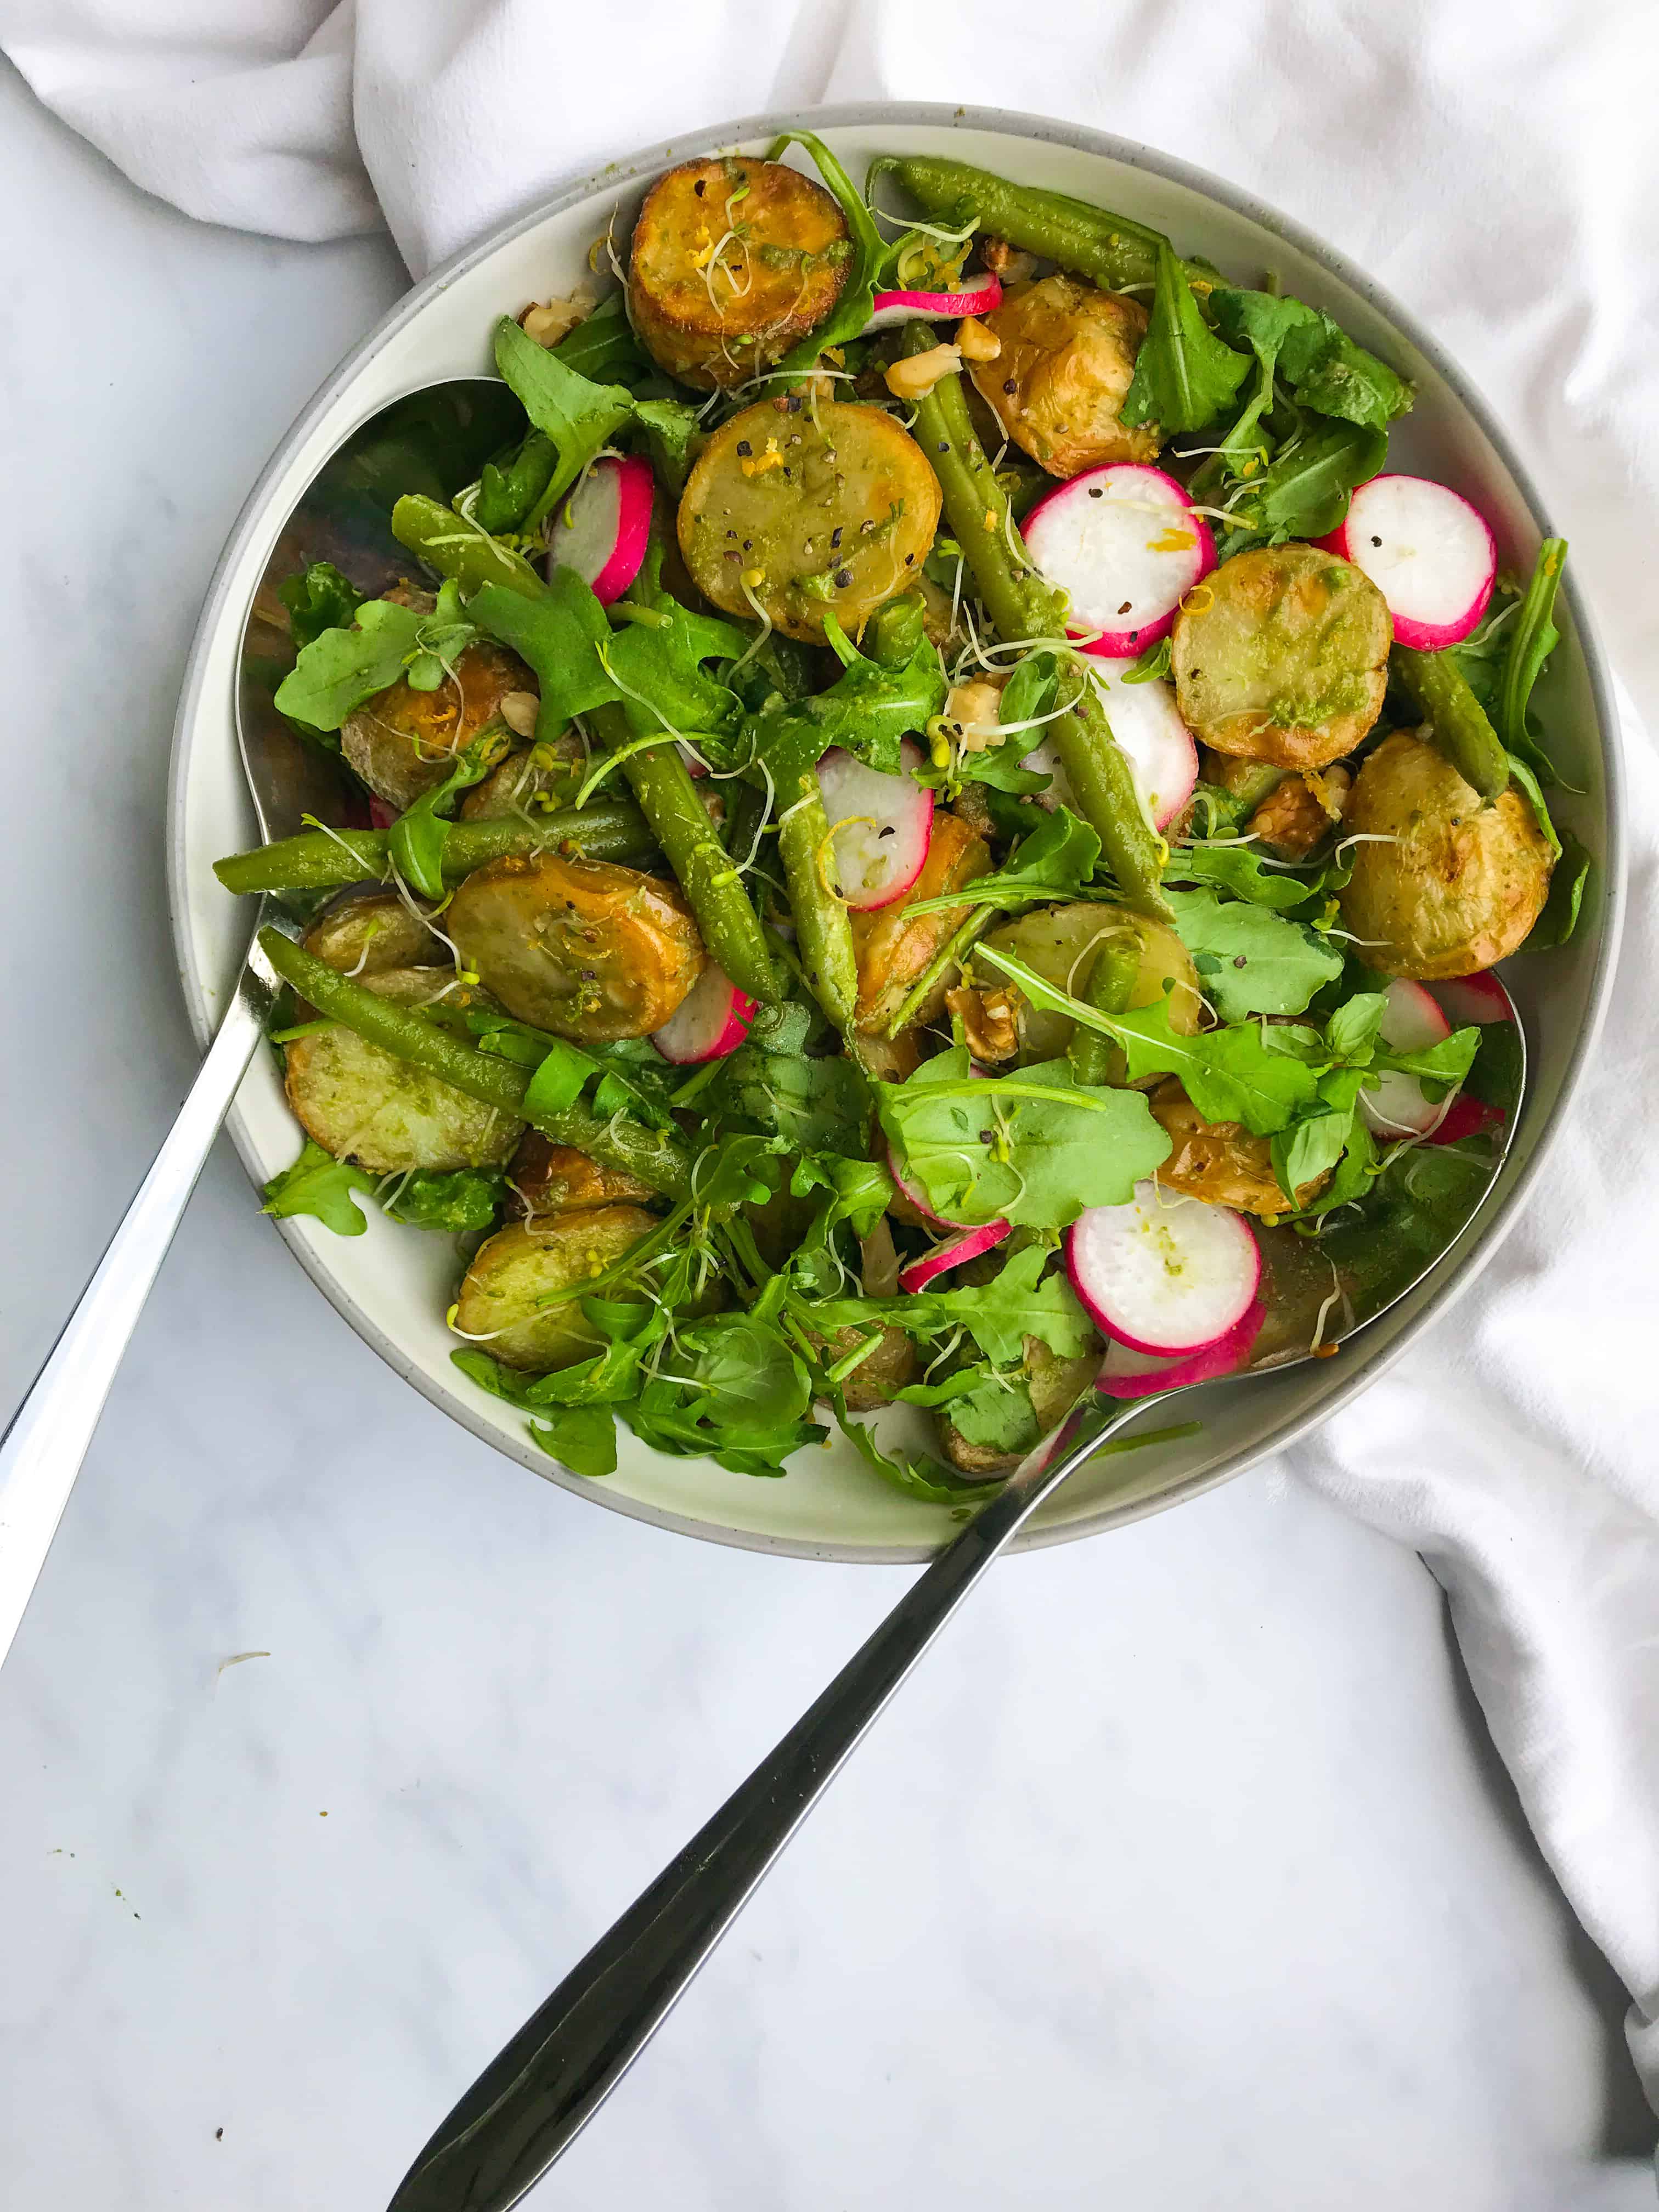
(932, 830)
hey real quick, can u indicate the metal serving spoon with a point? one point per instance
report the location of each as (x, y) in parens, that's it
(434, 440)
(529, 2102)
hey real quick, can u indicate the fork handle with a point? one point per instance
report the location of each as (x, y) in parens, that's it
(530, 2102)
(43, 1446)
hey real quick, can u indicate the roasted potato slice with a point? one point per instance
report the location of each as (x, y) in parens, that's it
(1059, 941)
(546, 1178)
(362, 1104)
(365, 932)
(1298, 814)
(403, 742)
(894, 947)
(1458, 884)
(585, 949)
(826, 511)
(498, 1300)
(532, 779)
(1220, 1161)
(1067, 361)
(732, 260)
(1282, 655)
(881, 1374)
(1054, 1384)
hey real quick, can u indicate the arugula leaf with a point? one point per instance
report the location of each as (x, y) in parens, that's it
(658, 664)
(603, 348)
(319, 1184)
(1035, 1148)
(581, 1437)
(739, 1393)
(341, 668)
(1019, 1301)
(1305, 490)
(561, 634)
(1560, 918)
(1184, 374)
(1056, 861)
(817, 1105)
(1528, 782)
(854, 309)
(558, 1080)
(456, 1200)
(869, 707)
(997, 1414)
(1250, 961)
(862, 1190)
(671, 428)
(1318, 361)
(1238, 870)
(576, 414)
(1532, 641)
(922, 1477)
(415, 843)
(319, 597)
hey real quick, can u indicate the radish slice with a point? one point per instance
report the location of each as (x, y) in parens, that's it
(1163, 1273)
(693, 766)
(977, 296)
(907, 1187)
(968, 1246)
(1465, 1117)
(1397, 1105)
(711, 1020)
(1124, 544)
(1129, 1373)
(1427, 550)
(880, 826)
(1468, 1001)
(603, 526)
(1147, 724)
(381, 815)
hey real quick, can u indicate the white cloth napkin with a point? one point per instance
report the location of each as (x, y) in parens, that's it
(1497, 169)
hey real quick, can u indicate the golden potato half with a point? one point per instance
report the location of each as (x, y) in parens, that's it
(403, 742)
(591, 951)
(1282, 655)
(1067, 361)
(733, 261)
(500, 1299)
(830, 511)
(1220, 1161)
(1458, 884)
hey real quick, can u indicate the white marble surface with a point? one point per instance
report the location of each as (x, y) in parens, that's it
(1182, 1877)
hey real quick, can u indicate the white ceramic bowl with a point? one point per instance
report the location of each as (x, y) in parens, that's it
(394, 1283)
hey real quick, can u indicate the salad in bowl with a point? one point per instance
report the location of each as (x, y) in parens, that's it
(933, 828)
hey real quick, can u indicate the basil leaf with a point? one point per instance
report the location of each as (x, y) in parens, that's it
(1352, 1028)
(1309, 1149)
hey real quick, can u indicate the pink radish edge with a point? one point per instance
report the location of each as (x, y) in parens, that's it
(1099, 550)
(1470, 1001)
(711, 1020)
(918, 1274)
(880, 825)
(1226, 1354)
(1429, 551)
(603, 526)
(981, 296)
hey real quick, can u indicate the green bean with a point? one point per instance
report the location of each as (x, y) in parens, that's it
(1022, 604)
(322, 859)
(446, 541)
(1110, 248)
(1458, 719)
(668, 801)
(1110, 979)
(948, 956)
(824, 936)
(653, 1155)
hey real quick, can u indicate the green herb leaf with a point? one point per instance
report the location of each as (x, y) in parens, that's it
(558, 1080)
(1237, 869)
(1560, 918)
(1532, 641)
(1309, 1149)
(817, 1105)
(415, 843)
(672, 427)
(578, 415)
(319, 597)
(1184, 374)
(1035, 1148)
(1305, 490)
(341, 668)
(1448, 1061)
(1315, 358)
(853, 310)
(997, 1414)
(1250, 961)
(317, 1183)
(1056, 861)
(561, 634)
(1021, 1301)
(869, 708)
(455, 1201)
(1352, 1030)
(920, 1476)
(581, 1437)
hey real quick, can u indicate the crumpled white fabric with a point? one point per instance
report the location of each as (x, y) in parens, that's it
(1496, 168)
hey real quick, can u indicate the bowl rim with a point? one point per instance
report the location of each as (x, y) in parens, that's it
(1484, 1235)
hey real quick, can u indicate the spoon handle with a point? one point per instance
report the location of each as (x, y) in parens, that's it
(530, 2101)
(43, 1446)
